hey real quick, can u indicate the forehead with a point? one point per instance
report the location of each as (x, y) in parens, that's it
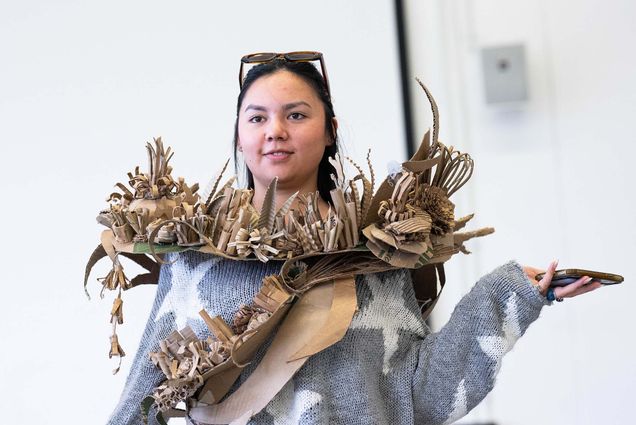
(281, 86)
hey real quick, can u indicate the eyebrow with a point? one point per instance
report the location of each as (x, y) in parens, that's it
(286, 107)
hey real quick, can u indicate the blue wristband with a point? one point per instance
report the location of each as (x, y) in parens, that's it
(550, 294)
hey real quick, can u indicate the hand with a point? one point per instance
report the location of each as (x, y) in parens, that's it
(581, 286)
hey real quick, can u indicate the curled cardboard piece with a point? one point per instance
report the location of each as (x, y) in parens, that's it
(398, 258)
(316, 321)
(273, 298)
(221, 378)
(206, 369)
(109, 247)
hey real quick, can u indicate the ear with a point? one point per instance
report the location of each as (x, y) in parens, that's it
(334, 123)
(238, 146)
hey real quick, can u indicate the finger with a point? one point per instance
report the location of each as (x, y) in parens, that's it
(568, 290)
(571, 289)
(544, 283)
(587, 288)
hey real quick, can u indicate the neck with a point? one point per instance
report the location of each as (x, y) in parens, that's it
(283, 193)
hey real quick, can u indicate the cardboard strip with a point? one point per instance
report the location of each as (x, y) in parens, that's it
(97, 255)
(305, 319)
(215, 389)
(441, 275)
(343, 307)
(107, 239)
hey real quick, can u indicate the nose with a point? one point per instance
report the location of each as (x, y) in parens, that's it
(276, 130)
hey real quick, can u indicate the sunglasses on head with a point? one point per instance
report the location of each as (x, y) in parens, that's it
(258, 58)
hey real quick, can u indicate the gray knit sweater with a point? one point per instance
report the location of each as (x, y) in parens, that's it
(388, 369)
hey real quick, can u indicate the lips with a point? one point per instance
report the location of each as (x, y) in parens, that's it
(278, 154)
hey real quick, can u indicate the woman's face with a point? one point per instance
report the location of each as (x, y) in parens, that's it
(281, 131)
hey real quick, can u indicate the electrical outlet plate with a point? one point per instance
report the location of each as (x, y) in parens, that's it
(504, 69)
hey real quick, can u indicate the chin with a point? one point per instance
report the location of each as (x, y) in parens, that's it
(285, 180)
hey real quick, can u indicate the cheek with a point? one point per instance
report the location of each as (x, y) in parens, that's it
(319, 144)
(247, 140)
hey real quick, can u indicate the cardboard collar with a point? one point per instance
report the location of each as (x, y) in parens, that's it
(408, 223)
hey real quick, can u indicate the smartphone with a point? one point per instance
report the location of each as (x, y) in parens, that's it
(567, 276)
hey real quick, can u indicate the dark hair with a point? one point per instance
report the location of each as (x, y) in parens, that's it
(311, 76)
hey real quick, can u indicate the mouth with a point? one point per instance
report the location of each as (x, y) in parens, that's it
(278, 154)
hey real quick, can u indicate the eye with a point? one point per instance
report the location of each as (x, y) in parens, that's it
(256, 119)
(296, 116)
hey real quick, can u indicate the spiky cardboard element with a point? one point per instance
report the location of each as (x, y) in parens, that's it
(408, 223)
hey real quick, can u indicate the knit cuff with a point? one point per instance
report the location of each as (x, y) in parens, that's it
(510, 277)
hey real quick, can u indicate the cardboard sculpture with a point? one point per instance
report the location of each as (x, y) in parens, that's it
(408, 223)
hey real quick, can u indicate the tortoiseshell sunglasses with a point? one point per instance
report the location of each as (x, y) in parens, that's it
(256, 58)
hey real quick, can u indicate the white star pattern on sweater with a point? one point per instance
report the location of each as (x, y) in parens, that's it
(388, 303)
(496, 346)
(288, 407)
(184, 302)
(460, 404)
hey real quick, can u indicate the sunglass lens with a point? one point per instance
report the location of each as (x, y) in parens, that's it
(259, 57)
(302, 56)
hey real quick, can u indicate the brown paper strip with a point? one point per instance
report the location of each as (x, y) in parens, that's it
(97, 255)
(218, 327)
(107, 239)
(215, 389)
(343, 307)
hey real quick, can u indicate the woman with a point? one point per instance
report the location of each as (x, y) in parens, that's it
(389, 368)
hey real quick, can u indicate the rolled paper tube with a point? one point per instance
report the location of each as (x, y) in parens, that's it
(239, 224)
(235, 204)
(173, 368)
(271, 294)
(123, 234)
(224, 239)
(265, 302)
(166, 234)
(133, 220)
(164, 346)
(227, 193)
(217, 326)
(117, 310)
(115, 348)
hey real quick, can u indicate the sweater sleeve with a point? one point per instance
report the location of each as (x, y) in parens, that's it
(144, 376)
(457, 366)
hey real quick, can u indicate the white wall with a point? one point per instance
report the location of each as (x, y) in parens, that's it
(83, 85)
(553, 175)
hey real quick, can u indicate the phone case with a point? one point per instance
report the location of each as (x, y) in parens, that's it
(567, 276)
